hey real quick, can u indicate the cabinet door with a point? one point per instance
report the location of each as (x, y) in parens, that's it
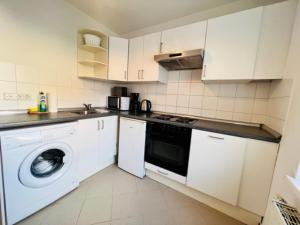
(187, 37)
(135, 63)
(150, 71)
(259, 154)
(118, 59)
(108, 140)
(89, 147)
(276, 30)
(132, 146)
(231, 46)
(215, 165)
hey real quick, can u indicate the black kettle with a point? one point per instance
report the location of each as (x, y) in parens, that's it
(146, 105)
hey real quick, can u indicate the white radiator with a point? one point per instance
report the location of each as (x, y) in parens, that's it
(285, 215)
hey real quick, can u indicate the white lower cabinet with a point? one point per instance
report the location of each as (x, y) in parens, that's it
(132, 134)
(97, 144)
(216, 165)
(257, 175)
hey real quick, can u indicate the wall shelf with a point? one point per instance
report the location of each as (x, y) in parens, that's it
(92, 61)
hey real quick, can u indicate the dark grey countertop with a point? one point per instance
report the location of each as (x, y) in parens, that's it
(22, 120)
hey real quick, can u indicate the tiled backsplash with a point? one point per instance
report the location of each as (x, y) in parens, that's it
(23, 84)
(185, 93)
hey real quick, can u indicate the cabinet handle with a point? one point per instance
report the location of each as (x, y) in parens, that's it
(160, 47)
(102, 124)
(214, 137)
(125, 75)
(139, 74)
(98, 125)
(204, 70)
(163, 173)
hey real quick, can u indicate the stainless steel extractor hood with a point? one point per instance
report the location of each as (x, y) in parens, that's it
(186, 60)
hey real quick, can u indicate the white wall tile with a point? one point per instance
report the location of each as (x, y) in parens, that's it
(173, 76)
(161, 99)
(260, 106)
(171, 100)
(183, 101)
(8, 105)
(246, 90)
(262, 90)
(182, 110)
(172, 88)
(194, 112)
(196, 75)
(227, 90)
(197, 89)
(210, 103)
(29, 89)
(195, 102)
(7, 87)
(185, 76)
(243, 117)
(243, 105)
(184, 88)
(7, 71)
(224, 115)
(225, 104)
(27, 74)
(170, 109)
(209, 113)
(211, 90)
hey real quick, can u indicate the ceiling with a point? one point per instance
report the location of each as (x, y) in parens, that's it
(125, 16)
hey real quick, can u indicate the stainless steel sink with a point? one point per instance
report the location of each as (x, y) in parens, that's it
(85, 112)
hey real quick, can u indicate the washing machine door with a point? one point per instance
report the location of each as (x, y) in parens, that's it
(45, 165)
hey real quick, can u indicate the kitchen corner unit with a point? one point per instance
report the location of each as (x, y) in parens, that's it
(92, 61)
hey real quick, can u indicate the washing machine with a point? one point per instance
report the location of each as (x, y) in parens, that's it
(39, 166)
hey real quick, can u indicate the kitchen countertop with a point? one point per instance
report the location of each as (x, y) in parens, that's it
(22, 120)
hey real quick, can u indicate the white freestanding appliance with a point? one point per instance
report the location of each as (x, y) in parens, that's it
(39, 166)
(132, 146)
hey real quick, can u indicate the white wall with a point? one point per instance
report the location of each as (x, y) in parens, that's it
(185, 93)
(38, 52)
(289, 152)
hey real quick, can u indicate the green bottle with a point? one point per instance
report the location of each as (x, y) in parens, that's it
(42, 102)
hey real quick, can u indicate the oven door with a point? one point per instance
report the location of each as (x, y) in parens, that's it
(113, 102)
(168, 146)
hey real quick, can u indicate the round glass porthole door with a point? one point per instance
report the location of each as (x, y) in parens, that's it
(45, 165)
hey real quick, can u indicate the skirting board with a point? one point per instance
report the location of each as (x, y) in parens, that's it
(235, 212)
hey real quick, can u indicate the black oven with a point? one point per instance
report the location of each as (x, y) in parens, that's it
(168, 146)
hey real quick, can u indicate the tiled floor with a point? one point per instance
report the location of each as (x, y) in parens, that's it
(114, 197)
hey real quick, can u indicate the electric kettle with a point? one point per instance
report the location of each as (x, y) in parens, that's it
(146, 105)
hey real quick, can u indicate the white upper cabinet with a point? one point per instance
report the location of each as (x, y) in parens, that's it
(187, 37)
(118, 59)
(216, 164)
(231, 46)
(276, 29)
(135, 63)
(142, 66)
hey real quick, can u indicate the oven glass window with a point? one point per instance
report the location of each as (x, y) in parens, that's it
(168, 146)
(47, 163)
(113, 102)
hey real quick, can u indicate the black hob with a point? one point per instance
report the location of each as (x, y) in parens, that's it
(178, 119)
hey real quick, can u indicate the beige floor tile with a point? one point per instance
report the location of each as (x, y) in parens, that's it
(35, 219)
(63, 213)
(151, 202)
(188, 216)
(124, 183)
(126, 205)
(164, 217)
(147, 185)
(176, 199)
(136, 220)
(95, 210)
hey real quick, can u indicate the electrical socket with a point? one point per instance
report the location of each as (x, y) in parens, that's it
(10, 96)
(24, 97)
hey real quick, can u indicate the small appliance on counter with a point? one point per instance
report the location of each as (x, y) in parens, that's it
(135, 105)
(118, 103)
(146, 106)
(119, 91)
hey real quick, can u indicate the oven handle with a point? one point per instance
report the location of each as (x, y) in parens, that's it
(163, 173)
(214, 137)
